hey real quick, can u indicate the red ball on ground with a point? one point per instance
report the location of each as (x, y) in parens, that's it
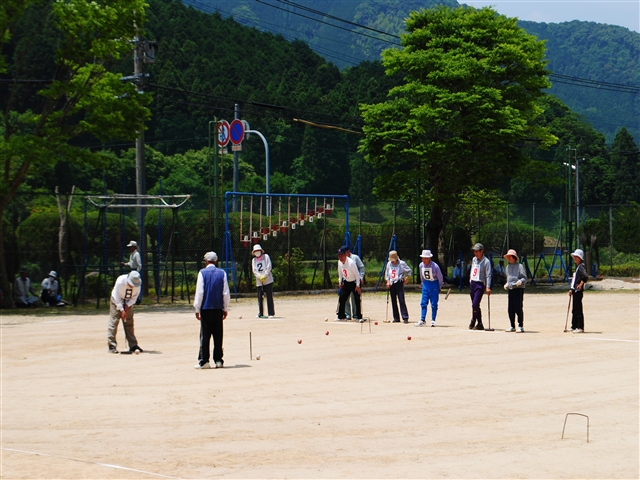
(375, 323)
(299, 341)
(327, 332)
(409, 338)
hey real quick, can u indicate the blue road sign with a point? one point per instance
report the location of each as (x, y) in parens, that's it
(236, 132)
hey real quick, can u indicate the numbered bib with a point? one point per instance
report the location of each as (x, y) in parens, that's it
(475, 273)
(427, 274)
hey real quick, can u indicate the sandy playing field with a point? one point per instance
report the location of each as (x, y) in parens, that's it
(449, 403)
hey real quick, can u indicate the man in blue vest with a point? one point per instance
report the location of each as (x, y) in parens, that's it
(212, 304)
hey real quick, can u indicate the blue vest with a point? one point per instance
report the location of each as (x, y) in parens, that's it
(213, 283)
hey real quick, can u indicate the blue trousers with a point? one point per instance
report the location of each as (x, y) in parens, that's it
(430, 293)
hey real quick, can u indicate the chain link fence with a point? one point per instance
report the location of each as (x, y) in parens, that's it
(88, 254)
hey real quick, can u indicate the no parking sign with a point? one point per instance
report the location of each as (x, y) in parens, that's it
(223, 133)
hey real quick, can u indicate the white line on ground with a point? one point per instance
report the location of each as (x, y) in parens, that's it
(612, 339)
(93, 463)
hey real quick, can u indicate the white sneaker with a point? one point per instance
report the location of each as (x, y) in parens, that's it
(433, 323)
(272, 316)
(421, 323)
(510, 329)
(361, 320)
(197, 366)
(578, 330)
(340, 320)
(520, 330)
(218, 364)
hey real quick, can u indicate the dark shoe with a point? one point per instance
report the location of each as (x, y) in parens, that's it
(405, 320)
(113, 350)
(479, 327)
(136, 347)
(396, 321)
(472, 324)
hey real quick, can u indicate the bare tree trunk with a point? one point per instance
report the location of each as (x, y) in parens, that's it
(7, 298)
(433, 231)
(63, 233)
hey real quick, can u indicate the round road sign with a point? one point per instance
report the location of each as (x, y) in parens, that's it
(223, 133)
(237, 132)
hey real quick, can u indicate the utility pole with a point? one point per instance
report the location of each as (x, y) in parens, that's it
(235, 163)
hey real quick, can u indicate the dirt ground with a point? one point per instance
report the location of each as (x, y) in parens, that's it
(344, 403)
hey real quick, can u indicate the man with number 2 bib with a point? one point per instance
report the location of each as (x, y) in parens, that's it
(479, 283)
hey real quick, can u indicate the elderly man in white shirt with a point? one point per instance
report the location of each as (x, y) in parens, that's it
(349, 280)
(123, 297)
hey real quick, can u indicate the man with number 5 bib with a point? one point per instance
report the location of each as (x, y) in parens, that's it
(432, 281)
(479, 283)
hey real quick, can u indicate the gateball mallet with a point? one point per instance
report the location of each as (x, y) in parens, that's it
(566, 322)
(489, 312)
(447, 296)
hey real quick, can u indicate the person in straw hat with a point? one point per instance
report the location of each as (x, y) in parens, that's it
(580, 277)
(516, 280)
(432, 281)
(261, 264)
(397, 274)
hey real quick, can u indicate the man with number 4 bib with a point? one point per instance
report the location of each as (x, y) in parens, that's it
(479, 283)
(432, 281)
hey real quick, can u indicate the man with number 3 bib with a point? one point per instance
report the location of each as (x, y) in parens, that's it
(479, 283)
(432, 281)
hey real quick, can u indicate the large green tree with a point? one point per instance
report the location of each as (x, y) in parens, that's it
(626, 166)
(471, 80)
(55, 63)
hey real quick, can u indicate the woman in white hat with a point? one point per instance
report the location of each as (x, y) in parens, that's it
(49, 290)
(261, 264)
(515, 283)
(580, 277)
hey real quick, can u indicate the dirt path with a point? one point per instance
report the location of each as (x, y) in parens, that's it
(449, 403)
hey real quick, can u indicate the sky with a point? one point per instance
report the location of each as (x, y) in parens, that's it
(625, 13)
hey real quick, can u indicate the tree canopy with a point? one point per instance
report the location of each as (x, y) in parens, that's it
(468, 100)
(60, 89)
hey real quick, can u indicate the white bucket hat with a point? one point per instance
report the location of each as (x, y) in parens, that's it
(256, 248)
(134, 278)
(426, 254)
(53, 274)
(578, 253)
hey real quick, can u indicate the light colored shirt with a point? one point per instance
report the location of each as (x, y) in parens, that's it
(226, 294)
(123, 293)
(22, 288)
(481, 271)
(431, 273)
(348, 271)
(515, 272)
(262, 269)
(359, 264)
(51, 285)
(397, 272)
(134, 261)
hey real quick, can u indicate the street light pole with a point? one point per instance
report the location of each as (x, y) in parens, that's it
(266, 151)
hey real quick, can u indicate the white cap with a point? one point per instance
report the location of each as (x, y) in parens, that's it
(132, 243)
(257, 247)
(134, 278)
(211, 257)
(578, 253)
(53, 274)
(426, 254)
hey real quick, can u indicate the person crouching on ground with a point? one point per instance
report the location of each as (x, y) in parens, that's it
(516, 280)
(123, 297)
(261, 265)
(432, 281)
(397, 274)
(479, 284)
(580, 277)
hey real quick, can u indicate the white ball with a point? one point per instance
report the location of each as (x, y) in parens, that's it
(326, 319)
(137, 352)
(258, 357)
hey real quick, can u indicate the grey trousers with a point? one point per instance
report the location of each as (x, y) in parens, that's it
(114, 319)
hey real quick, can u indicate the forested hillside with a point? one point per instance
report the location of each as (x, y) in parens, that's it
(586, 50)
(601, 53)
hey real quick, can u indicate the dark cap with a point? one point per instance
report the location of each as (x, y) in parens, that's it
(343, 250)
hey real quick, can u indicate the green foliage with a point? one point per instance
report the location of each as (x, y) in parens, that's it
(290, 272)
(626, 229)
(626, 168)
(472, 79)
(494, 236)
